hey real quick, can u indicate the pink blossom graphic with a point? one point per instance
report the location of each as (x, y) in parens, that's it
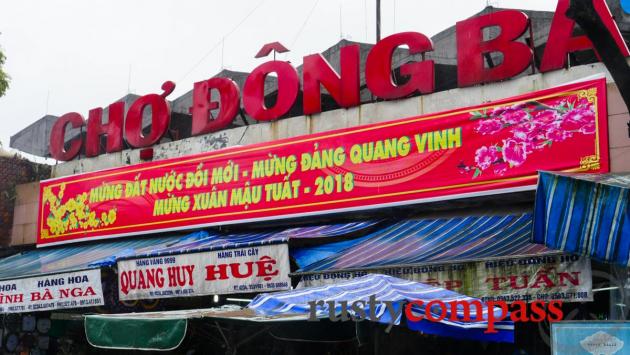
(530, 127)
(578, 117)
(500, 168)
(497, 111)
(556, 134)
(514, 117)
(522, 133)
(514, 153)
(485, 156)
(588, 128)
(546, 116)
(582, 102)
(489, 126)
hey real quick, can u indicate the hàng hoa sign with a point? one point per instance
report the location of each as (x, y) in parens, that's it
(50, 292)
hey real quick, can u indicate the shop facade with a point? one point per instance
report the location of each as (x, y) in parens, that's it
(435, 188)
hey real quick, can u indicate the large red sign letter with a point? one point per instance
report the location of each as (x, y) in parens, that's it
(112, 129)
(254, 90)
(58, 136)
(471, 47)
(561, 41)
(202, 105)
(160, 118)
(378, 67)
(343, 88)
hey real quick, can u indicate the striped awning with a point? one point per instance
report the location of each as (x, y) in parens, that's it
(586, 214)
(73, 258)
(396, 291)
(88, 256)
(208, 241)
(416, 242)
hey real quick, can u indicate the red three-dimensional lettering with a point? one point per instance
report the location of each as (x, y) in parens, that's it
(113, 130)
(229, 96)
(58, 137)
(343, 88)
(471, 47)
(378, 67)
(160, 118)
(561, 41)
(254, 90)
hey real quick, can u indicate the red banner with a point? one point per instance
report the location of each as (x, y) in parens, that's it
(487, 149)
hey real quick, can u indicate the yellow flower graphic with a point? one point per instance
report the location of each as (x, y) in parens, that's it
(74, 214)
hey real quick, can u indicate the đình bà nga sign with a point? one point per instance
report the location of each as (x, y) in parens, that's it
(541, 278)
(243, 270)
(481, 150)
(50, 292)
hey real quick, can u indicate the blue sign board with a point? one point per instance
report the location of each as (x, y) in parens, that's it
(590, 337)
(625, 5)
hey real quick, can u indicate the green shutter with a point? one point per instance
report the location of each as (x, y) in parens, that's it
(115, 332)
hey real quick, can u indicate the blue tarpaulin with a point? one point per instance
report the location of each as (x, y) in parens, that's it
(416, 242)
(398, 292)
(87, 256)
(586, 214)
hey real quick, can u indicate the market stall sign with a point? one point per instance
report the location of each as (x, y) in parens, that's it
(343, 87)
(540, 278)
(50, 292)
(481, 150)
(244, 270)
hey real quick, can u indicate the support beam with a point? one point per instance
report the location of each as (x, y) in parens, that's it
(585, 15)
(378, 20)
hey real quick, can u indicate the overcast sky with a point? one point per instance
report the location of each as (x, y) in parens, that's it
(68, 56)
